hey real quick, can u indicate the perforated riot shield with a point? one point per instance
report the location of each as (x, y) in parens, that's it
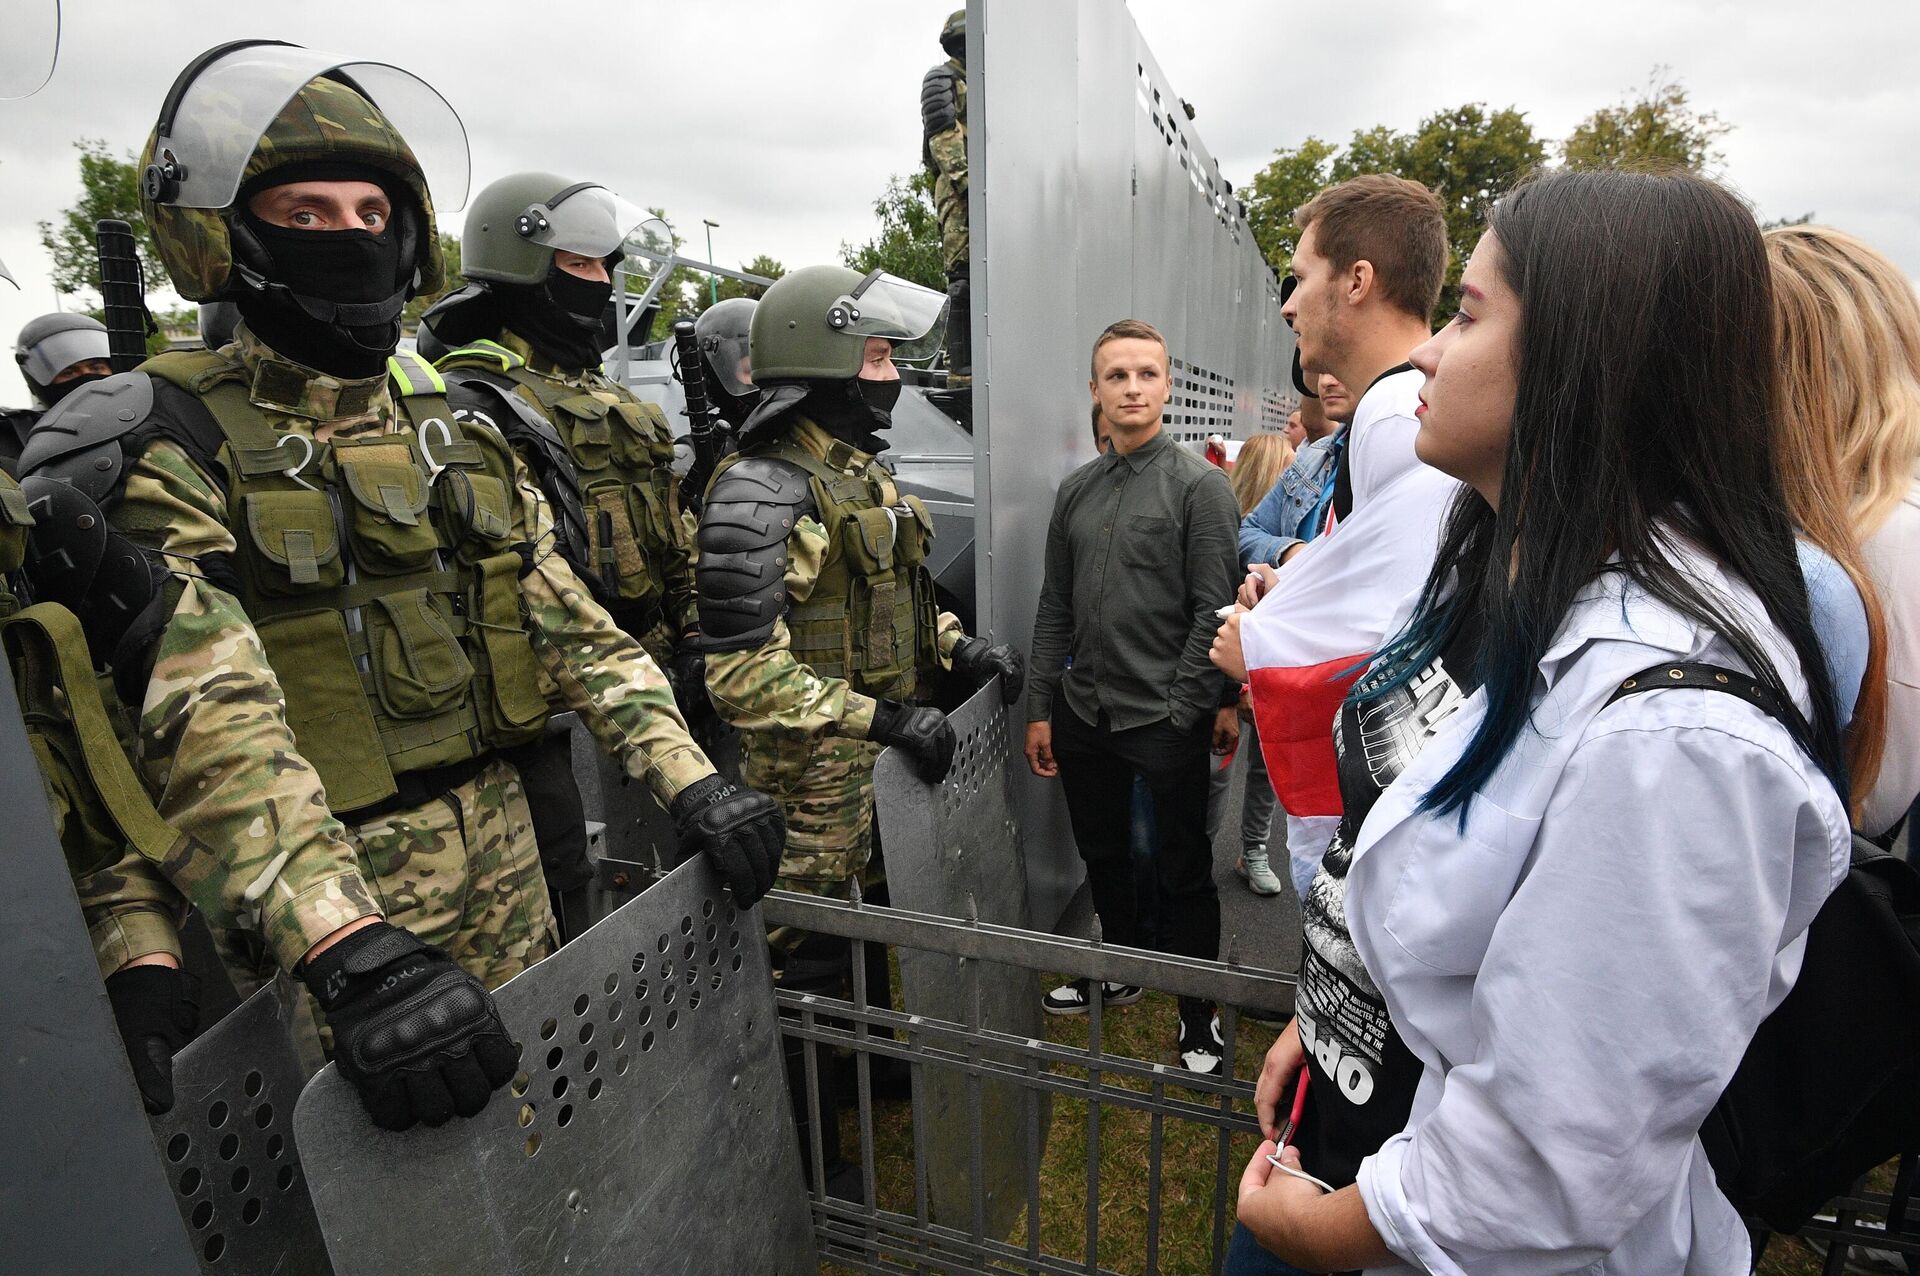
(646, 1132)
(955, 849)
(228, 1145)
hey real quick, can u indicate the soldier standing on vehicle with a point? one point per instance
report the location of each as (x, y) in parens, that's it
(363, 603)
(818, 613)
(57, 354)
(539, 250)
(943, 147)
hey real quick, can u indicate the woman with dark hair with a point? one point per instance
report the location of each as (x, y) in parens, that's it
(1579, 904)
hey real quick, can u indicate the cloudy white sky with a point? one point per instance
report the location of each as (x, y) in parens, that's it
(782, 119)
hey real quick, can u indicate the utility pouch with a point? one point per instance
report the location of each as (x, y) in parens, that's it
(295, 540)
(388, 529)
(327, 707)
(589, 434)
(479, 513)
(15, 519)
(418, 667)
(507, 683)
(643, 440)
(914, 539)
(867, 539)
(614, 499)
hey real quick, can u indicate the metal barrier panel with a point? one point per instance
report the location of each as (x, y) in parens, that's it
(228, 1145)
(1092, 198)
(955, 849)
(651, 1094)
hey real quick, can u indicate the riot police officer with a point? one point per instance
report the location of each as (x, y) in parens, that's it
(943, 148)
(539, 250)
(722, 331)
(361, 596)
(57, 354)
(818, 613)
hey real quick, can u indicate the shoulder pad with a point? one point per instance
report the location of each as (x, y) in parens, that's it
(80, 438)
(751, 509)
(939, 102)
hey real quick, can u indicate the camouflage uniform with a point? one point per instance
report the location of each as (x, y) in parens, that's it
(947, 157)
(802, 734)
(669, 546)
(462, 870)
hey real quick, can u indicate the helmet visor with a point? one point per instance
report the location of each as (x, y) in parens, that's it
(32, 46)
(54, 353)
(590, 220)
(8, 275)
(726, 356)
(213, 129)
(913, 318)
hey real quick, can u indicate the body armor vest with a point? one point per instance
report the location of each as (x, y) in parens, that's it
(75, 722)
(872, 617)
(381, 575)
(622, 454)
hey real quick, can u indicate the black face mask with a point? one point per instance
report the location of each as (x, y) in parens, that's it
(880, 396)
(559, 318)
(854, 411)
(54, 393)
(337, 309)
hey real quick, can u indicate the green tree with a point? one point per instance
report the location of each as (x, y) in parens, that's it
(1291, 178)
(761, 265)
(1467, 156)
(908, 244)
(109, 188)
(1656, 125)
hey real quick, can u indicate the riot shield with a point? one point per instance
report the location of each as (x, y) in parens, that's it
(955, 849)
(646, 1132)
(228, 1148)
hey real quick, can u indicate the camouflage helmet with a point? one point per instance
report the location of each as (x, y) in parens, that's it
(517, 223)
(953, 34)
(191, 203)
(813, 324)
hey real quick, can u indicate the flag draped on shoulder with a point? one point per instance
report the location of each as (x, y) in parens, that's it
(1334, 601)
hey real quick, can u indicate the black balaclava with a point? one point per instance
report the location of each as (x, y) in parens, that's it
(331, 299)
(853, 411)
(52, 394)
(559, 317)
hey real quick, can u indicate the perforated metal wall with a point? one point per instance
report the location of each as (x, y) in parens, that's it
(650, 1090)
(1092, 199)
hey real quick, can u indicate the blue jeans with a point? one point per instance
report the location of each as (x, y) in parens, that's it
(1245, 1257)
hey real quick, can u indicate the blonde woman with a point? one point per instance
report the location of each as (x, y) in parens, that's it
(1263, 459)
(1849, 332)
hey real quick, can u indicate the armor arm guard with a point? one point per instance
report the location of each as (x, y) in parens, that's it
(761, 548)
(601, 672)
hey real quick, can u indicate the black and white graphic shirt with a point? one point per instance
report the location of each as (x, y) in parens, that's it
(1363, 1075)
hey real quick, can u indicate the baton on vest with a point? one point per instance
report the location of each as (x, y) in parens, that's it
(691, 371)
(129, 322)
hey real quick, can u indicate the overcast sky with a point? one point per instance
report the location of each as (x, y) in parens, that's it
(782, 119)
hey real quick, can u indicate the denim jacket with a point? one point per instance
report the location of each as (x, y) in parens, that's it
(1274, 524)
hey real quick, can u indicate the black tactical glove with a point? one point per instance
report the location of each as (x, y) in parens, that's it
(979, 660)
(157, 1009)
(923, 733)
(687, 672)
(418, 1037)
(741, 831)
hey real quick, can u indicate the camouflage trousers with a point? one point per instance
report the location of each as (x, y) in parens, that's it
(951, 207)
(824, 785)
(461, 872)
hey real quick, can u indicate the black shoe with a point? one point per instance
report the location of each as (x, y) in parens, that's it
(1075, 999)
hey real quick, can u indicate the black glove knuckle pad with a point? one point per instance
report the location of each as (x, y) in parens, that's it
(741, 831)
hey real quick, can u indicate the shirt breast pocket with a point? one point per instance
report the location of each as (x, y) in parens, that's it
(1147, 540)
(1455, 883)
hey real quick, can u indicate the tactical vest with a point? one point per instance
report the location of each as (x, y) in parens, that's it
(872, 617)
(382, 577)
(623, 457)
(75, 722)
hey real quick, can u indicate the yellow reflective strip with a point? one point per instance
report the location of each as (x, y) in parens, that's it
(405, 367)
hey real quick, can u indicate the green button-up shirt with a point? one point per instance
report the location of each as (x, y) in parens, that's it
(1140, 556)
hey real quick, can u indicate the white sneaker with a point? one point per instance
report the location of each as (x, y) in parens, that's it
(1258, 874)
(1202, 1050)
